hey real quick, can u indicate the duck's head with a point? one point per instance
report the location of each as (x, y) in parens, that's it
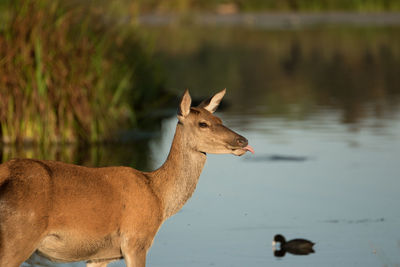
(278, 239)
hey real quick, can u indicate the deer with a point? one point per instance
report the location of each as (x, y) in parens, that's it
(70, 213)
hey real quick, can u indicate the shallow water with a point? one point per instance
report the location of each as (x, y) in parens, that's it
(321, 108)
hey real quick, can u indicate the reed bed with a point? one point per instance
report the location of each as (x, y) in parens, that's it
(67, 75)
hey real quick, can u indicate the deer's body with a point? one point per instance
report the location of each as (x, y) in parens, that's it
(53, 204)
(72, 213)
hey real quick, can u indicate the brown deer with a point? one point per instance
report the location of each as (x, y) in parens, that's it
(70, 213)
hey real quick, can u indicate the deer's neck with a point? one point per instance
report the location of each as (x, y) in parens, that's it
(175, 181)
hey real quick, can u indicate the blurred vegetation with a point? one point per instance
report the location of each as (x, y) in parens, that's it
(290, 74)
(228, 6)
(135, 154)
(70, 73)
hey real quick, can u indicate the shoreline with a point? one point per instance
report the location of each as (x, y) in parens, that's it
(286, 20)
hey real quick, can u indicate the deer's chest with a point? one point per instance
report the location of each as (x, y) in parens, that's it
(69, 247)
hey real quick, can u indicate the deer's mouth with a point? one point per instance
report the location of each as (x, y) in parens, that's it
(239, 151)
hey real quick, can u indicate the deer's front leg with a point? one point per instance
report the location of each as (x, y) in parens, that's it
(134, 253)
(136, 259)
(97, 264)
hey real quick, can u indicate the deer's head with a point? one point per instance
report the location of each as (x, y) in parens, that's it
(205, 132)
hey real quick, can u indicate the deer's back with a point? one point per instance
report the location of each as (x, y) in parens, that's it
(76, 196)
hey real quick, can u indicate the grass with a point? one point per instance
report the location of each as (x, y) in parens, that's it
(67, 74)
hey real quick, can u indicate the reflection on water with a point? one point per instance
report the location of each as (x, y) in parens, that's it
(264, 158)
(321, 108)
(292, 74)
(134, 154)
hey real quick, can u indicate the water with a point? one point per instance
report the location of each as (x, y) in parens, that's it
(321, 108)
(344, 197)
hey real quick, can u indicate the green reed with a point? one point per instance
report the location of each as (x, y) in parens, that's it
(67, 75)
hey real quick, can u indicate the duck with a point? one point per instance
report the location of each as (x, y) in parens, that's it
(297, 246)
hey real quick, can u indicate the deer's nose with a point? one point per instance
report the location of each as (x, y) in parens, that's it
(241, 141)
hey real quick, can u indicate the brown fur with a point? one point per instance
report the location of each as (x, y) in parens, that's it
(72, 213)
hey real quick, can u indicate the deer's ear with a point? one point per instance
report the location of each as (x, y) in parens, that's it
(184, 106)
(212, 103)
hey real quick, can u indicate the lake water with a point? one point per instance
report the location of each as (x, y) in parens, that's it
(321, 108)
(310, 179)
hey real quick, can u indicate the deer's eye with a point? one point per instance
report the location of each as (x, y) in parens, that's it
(203, 125)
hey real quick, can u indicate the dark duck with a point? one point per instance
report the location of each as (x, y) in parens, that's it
(296, 246)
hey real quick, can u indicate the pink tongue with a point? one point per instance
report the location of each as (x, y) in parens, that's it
(249, 148)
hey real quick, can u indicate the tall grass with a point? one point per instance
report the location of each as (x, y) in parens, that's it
(67, 75)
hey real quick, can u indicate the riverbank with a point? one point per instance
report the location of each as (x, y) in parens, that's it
(281, 20)
(237, 6)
